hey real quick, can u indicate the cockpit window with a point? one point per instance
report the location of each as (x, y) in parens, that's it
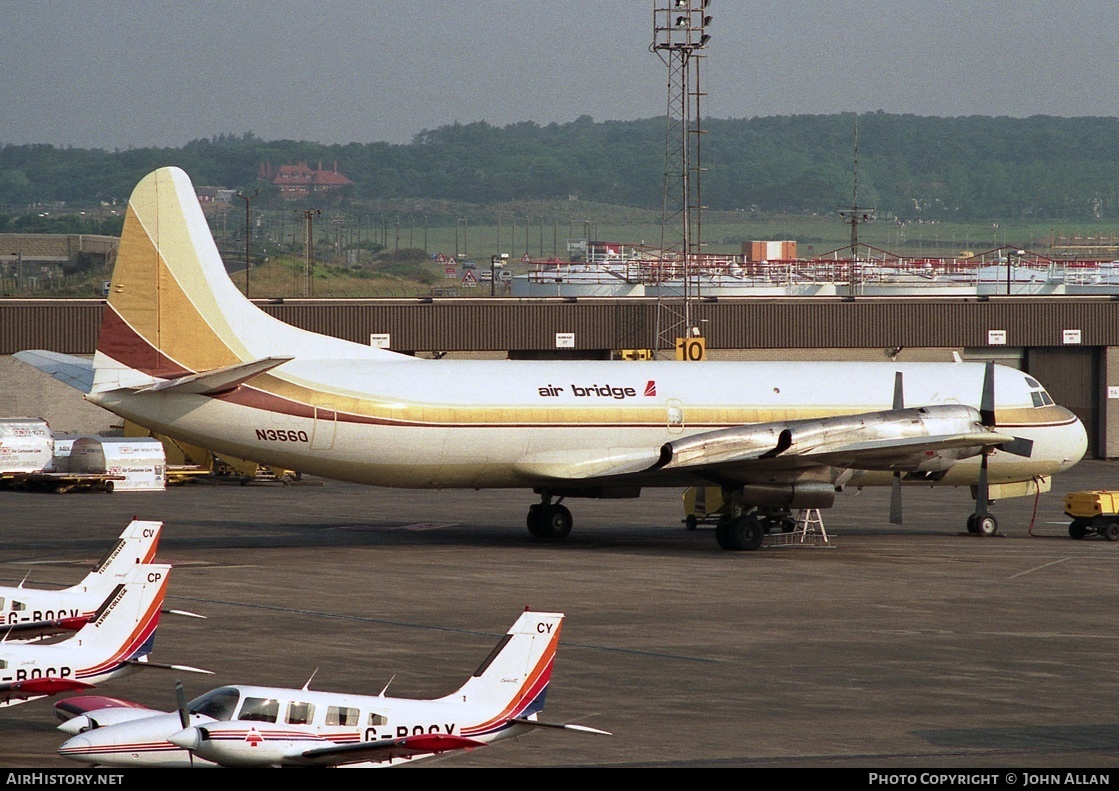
(1046, 399)
(219, 703)
(260, 710)
(1036, 396)
(1032, 382)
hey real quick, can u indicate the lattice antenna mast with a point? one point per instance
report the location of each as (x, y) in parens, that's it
(854, 216)
(679, 36)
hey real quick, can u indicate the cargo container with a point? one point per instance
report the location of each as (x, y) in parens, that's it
(26, 445)
(141, 463)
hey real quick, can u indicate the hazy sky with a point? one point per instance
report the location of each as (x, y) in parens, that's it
(130, 73)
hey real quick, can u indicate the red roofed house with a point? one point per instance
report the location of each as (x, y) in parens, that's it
(299, 181)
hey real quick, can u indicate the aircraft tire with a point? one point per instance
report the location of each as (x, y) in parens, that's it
(741, 534)
(972, 523)
(549, 522)
(986, 525)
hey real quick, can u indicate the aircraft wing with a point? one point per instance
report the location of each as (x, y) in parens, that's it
(923, 438)
(81, 705)
(383, 750)
(35, 630)
(74, 371)
(14, 692)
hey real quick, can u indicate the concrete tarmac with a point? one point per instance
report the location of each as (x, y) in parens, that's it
(888, 647)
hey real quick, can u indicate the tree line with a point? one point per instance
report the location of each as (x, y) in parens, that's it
(968, 168)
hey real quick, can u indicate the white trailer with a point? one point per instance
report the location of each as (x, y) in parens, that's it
(26, 445)
(140, 462)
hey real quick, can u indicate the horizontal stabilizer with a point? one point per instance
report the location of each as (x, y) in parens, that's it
(563, 726)
(219, 380)
(159, 666)
(74, 371)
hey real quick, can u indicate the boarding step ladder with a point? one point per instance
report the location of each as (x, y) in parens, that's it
(809, 532)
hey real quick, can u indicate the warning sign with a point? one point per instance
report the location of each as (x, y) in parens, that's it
(469, 280)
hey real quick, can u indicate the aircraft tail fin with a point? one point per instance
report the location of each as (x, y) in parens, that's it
(514, 678)
(172, 309)
(122, 630)
(136, 545)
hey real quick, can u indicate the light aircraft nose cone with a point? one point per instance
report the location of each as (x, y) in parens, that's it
(77, 749)
(76, 725)
(188, 739)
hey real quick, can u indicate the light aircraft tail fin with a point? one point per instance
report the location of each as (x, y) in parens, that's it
(173, 310)
(136, 545)
(514, 678)
(122, 630)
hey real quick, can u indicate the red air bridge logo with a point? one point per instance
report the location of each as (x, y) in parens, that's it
(651, 388)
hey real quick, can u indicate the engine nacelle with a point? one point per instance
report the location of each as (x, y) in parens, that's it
(808, 494)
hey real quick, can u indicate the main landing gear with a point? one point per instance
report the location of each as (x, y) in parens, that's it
(549, 521)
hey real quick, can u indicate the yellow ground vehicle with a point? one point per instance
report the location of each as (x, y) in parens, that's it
(1093, 513)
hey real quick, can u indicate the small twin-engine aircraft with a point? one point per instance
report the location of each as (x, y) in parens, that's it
(243, 726)
(116, 640)
(29, 612)
(182, 352)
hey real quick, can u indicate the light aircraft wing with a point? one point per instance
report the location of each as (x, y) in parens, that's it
(13, 692)
(34, 630)
(383, 750)
(74, 371)
(80, 705)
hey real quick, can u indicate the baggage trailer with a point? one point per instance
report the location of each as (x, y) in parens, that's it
(1094, 513)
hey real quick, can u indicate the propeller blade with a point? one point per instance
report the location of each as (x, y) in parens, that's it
(180, 697)
(987, 401)
(895, 486)
(982, 492)
(184, 715)
(895, 500)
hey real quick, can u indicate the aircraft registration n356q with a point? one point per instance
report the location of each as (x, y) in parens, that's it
(181, 351)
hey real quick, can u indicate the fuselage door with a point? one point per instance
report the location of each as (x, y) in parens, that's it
(322, 436)
(675, 416)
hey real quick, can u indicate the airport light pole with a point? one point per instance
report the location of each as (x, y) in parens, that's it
(248, 232)
(493, 266)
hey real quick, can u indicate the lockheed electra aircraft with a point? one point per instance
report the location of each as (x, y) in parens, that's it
(182, 352)
(116, 641)
(36, 612)
(242, 726)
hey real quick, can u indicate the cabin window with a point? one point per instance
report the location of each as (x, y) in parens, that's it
(3, 664)
(300, 713)
(341, 715)
(18, 606)
(1, 602)
(219, 703)
(378, 719)
(260, 710)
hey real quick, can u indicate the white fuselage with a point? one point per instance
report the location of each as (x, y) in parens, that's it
(521, 424)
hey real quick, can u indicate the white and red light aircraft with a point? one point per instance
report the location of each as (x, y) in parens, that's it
(36, 611)
(181, 351)
(248, 726)
(116, 641)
